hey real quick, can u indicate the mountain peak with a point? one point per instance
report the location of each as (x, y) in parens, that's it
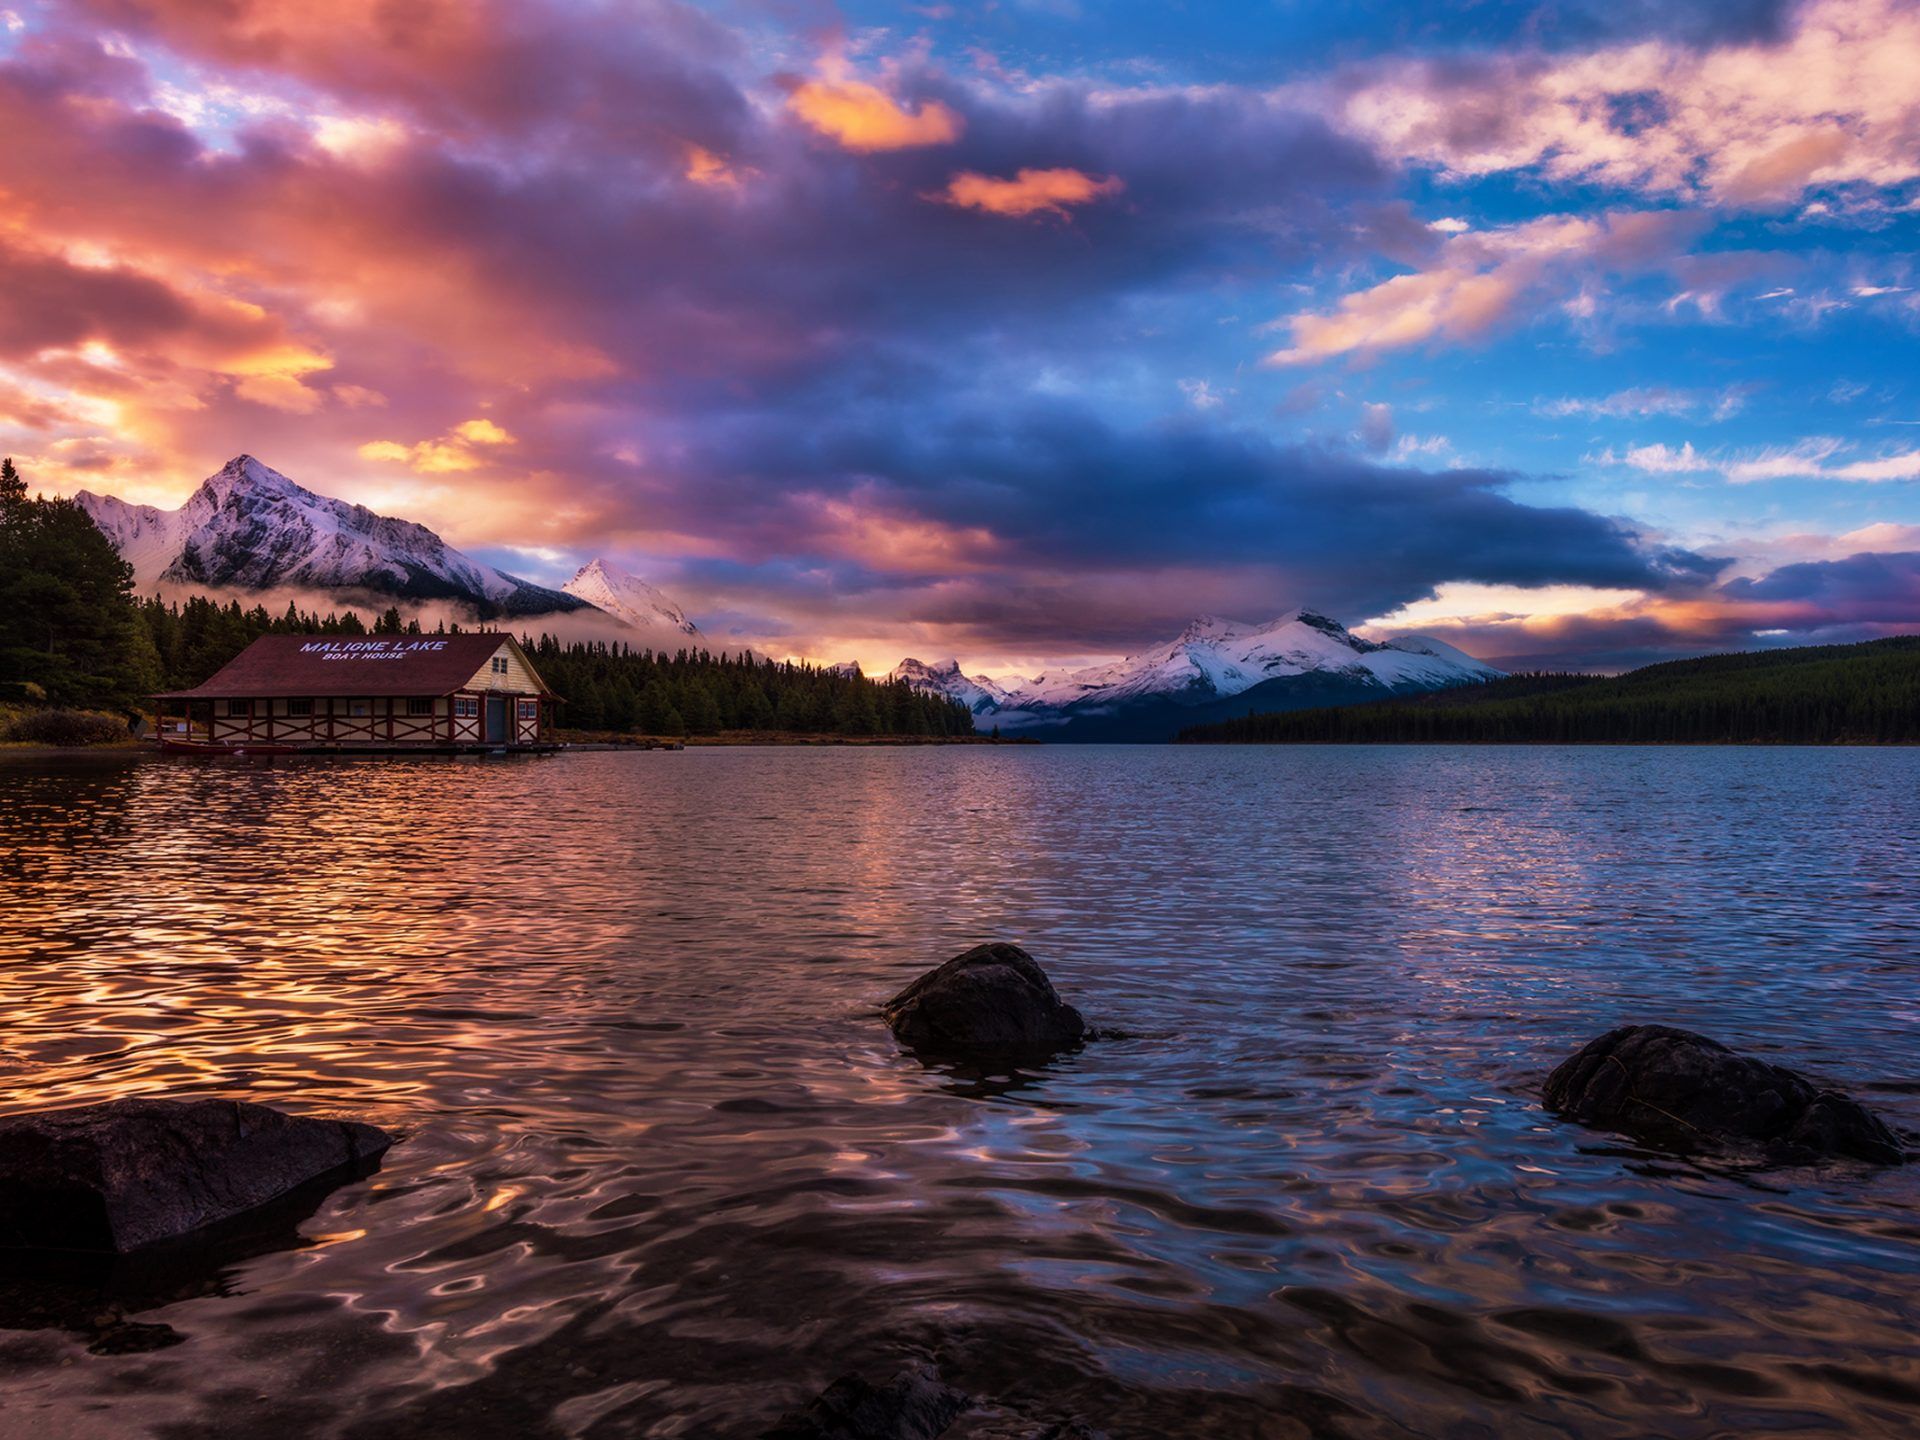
(628, 598)
(1316, 619)
(245, 474)
(913, 667)
(1207, 627)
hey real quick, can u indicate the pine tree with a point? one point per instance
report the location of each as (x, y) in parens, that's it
(68, 623)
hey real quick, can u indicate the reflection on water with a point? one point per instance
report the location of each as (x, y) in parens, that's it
(666, 1173)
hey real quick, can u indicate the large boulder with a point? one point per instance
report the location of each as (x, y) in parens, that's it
(121, 1175)
(991, 1002)
(914, 1405)
(1681, 1090)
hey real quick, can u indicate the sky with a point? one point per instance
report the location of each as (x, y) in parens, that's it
(1580, 333)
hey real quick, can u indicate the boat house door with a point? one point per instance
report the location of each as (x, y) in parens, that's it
(497, 719)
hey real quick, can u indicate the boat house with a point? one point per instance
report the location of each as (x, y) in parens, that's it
(289, 694)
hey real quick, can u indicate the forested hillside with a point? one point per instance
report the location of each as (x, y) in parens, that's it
(1817, 695)
(614, 687)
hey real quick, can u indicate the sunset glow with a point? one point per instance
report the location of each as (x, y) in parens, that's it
(1576, 337)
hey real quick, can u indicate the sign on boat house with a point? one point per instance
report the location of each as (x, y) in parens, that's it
(296, 693)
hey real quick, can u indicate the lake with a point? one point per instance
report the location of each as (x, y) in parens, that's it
(664, 1172)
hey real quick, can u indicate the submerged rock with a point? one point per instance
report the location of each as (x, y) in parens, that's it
(128, 1173)
(992, 1001)
(1679, 1089)
(914, 1405)
(133, 1337)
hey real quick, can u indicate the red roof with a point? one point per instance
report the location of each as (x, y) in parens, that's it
(342, 665)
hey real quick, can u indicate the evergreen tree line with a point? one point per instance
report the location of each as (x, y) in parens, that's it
(1867, 693)
(194, 637)
(618, 688)
(605, 687)
(69, 631)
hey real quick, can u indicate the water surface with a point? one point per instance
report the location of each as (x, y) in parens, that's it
(665, 1174)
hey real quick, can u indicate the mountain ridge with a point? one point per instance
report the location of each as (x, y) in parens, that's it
(1301, 658)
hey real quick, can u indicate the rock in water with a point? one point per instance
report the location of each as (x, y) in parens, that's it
(993, 1001)
(127, 1173)
(1679, 1089)
(914, 1405)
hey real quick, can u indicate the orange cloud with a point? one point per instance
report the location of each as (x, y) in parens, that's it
(1030, 192)
(706, 168)
(482, 432)
(865, 118)
(449, 453)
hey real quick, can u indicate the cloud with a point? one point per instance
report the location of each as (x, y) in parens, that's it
(1659, 459)
(1642, 401)
(701, 315)
(1880, 589)
(451, 453)
(482, 432)
(1030, 192)
(864, 118)
(1097, 532)
(1376, 428)
(1808, 460)
(1804, 460)
(1856, 597)
(1480, 281)
(1755, 120)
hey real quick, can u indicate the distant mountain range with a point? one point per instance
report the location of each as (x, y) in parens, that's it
(1215, 669)
(250, 528)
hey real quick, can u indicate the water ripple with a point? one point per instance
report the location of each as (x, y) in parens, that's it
(664, 1173)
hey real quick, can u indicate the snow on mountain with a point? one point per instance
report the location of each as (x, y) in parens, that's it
(249, 527)
(634, 602)
(1211, 660)
(979, 696)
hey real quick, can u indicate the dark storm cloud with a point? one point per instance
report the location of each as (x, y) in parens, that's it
(1861, 589)
(1061, 491)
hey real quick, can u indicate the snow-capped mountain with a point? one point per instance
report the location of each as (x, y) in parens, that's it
(637, 604)
(980, 696)
(249, 527)
(1299, 660)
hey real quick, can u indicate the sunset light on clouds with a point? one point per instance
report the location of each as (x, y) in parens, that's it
(1578, 335)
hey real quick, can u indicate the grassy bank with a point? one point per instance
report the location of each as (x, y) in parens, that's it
(45, 727)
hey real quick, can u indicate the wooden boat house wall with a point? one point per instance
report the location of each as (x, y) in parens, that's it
(298, 693)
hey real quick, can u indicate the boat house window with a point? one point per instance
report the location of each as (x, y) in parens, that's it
(299, 707)
(499, 664)
(419, 705)
(238, 707)
(466, 707)
(529, 709)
